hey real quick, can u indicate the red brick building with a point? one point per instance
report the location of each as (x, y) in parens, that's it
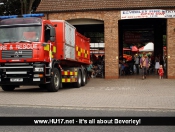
(108, 12)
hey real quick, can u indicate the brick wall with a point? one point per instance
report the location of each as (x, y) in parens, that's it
(171, 47)
(110, 19)
(111, 44)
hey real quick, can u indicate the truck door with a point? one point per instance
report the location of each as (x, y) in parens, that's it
(49, 38)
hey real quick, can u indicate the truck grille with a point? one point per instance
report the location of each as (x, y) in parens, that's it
(16, 54)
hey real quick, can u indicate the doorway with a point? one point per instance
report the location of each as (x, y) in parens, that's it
(134, 35)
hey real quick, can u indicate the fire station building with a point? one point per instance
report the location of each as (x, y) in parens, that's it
(112, 24)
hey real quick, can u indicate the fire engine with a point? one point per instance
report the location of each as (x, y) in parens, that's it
(47, 53)
(127, 54)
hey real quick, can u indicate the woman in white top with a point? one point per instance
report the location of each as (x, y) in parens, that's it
(157, 64)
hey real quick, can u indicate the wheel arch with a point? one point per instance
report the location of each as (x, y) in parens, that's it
(56, 64)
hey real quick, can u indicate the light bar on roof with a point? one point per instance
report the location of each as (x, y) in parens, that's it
(24, 16)
(33, 15)
(7, 17)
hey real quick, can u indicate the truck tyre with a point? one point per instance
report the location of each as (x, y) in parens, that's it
(54, 84)
(84, 78)
(8, 87)
(78, 83)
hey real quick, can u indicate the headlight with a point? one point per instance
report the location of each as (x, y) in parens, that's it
(38, 69)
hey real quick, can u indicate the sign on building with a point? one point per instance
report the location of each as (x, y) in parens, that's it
(154, 13)
(170, 14)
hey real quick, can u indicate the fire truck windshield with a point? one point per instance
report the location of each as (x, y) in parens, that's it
(20, 33)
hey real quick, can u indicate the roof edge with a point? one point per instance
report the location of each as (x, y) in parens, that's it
(104, 9)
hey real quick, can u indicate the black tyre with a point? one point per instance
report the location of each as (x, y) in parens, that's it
(78, 83)
(84, 78)
(86, 74)
(55, 82)
(8, 87)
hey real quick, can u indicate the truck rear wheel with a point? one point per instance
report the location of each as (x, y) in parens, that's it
(8, 87)
(55, 81)
(79, 79)
(84, 78)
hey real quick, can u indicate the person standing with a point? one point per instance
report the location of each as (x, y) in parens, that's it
(157, 64)
(90, 69)
(160, 71)
(144, 65)
(131, 65)
(137, 63)
(120, 65)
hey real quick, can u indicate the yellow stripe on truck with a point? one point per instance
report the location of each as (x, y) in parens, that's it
(47, 47)
(65, 73)
(79, 53)
(71, 73)
(50, 54)
(54, 49)
(69, 80)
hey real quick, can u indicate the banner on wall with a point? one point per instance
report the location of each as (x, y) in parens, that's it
(170, 14)
(153, 13)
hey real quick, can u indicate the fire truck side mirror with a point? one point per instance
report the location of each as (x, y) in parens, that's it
(52, 32)
(52, 39)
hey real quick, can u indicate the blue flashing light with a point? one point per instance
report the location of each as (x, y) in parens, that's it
(24, 16)
(33, 15)
(7, 17)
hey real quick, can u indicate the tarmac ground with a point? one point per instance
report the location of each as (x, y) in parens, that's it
(124, 93)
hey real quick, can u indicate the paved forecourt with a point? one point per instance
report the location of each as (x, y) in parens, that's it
(99, 93)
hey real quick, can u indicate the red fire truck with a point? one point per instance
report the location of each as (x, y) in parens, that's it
(127, 54)
(47, 53)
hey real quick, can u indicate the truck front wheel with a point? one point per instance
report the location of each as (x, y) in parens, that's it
(8, 87)
(55, 81)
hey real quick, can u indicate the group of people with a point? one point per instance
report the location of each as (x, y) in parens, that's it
(145, 64)
(96, 66)
(126, 67)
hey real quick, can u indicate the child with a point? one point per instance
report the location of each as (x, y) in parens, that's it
(160, 71)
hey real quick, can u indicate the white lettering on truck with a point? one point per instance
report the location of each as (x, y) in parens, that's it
(27, 46)
(19, 46)
(3, 47)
